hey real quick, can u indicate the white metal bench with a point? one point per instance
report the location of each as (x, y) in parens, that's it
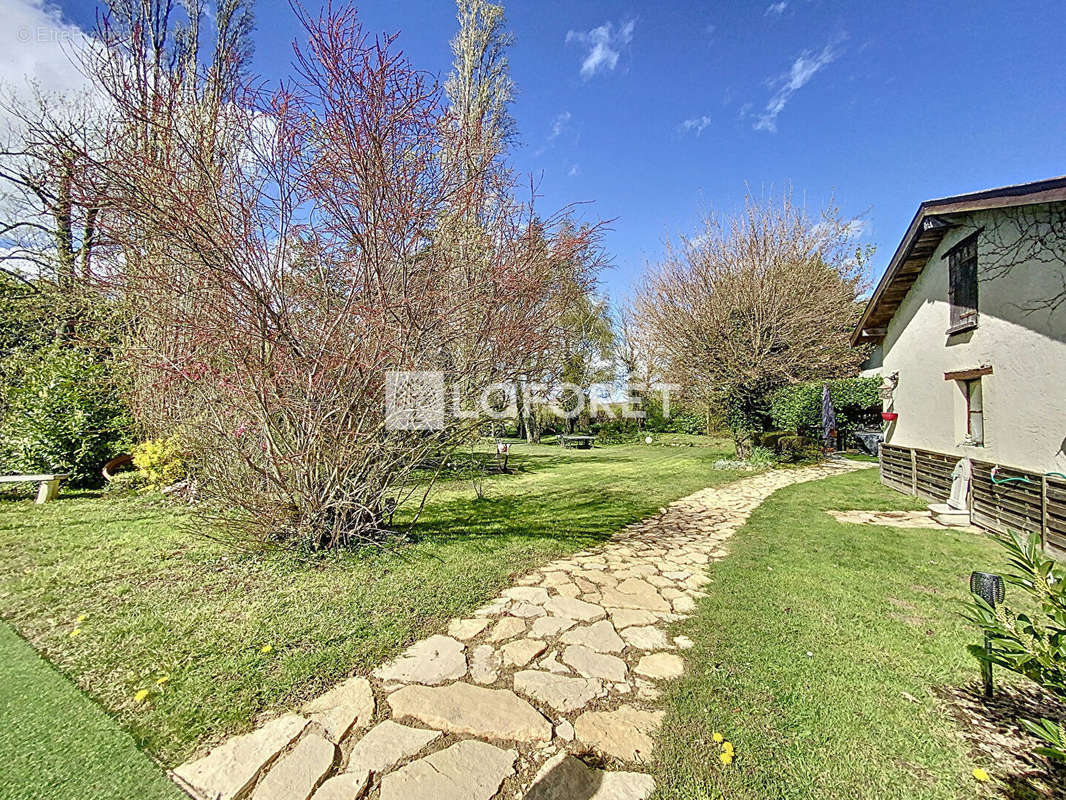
(47, 485)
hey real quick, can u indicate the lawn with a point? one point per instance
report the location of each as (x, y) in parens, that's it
(818, 652)
(55, 742)
(121, 598)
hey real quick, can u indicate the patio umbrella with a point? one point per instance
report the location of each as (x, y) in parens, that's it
(829, 416)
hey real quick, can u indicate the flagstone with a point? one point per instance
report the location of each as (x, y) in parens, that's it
(594, 665)
(551, 663)
(564, 777)
(468, 770)
(599, 636)
(645, 637)
(298, 772)
(484, 664)
(343, 787)
(660, 665)
(625, 734)
(634, 593)
(521, 651)
(349, 705)
(506, 628)
(527, 594)
(550, 626)
(464, 629)
(684, 604)
(466, 709)
(561, 692)
(434, 660)
(228, 771)
(572, 608)
(624, 617)
(385, 745)
(526, 610)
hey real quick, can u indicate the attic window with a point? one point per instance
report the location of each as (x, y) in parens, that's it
(962, 284)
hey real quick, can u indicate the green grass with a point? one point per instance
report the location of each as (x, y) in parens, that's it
(56, 743)
(810, 636)
(159, 602)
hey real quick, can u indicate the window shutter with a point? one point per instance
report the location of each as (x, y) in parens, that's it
(962, 282)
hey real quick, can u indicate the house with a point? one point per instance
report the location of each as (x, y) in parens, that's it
(968, 326)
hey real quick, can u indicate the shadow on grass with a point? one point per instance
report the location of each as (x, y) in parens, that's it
(527, 516)
(993, 735)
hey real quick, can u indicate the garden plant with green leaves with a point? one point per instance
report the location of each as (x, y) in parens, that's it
(1032, 644)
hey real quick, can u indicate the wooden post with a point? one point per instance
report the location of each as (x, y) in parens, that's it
(914, 473)
(1043, 511)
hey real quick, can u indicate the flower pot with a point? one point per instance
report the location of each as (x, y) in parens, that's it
(889, 416)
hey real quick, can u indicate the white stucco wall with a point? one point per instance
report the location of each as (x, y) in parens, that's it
(1024, 397)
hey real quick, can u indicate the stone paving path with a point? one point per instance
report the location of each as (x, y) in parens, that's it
(566, 662)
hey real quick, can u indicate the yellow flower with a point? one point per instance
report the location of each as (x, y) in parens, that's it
(717, 737)
(727, 747)
(980, 775)
(141, 696)
(80, 618)
(726, 758)
(163, 681)
(267, 648)
(75, 632)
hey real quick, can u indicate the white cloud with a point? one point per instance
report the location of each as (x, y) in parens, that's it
(574, 170)
(559, 125)
(857, 227)
(803, 69)
(699, 241)
(696, 124)
(852, 229)
(776, 9)
(37, 44)
(604, 45)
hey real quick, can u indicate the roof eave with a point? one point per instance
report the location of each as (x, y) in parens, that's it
(1047, 191)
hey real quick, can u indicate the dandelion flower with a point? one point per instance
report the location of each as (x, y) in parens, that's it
(726, 758)
(75, 632)
(80, 618)
(980, 775)
(163, 680)
(141, 696)
(727, 747)
(267, 648)
(717, 737)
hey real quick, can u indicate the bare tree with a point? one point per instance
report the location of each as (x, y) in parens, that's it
(1025, 239)
(283, 253)
(50, 225)
(766, 299)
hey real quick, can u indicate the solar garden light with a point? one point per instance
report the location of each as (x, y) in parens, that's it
(989, 587)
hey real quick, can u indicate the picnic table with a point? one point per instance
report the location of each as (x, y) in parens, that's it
(47, 484)
(581, 442)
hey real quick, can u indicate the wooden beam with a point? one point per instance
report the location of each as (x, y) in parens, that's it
(968, 374)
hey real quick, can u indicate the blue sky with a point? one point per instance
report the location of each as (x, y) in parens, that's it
(656, 112)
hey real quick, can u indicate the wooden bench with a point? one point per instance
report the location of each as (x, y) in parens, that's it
(582, 442)
(47, 485)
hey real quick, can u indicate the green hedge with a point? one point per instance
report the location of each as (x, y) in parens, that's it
(799, 408)
(62, 414)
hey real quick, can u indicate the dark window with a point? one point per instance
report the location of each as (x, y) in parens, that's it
(962, 285)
